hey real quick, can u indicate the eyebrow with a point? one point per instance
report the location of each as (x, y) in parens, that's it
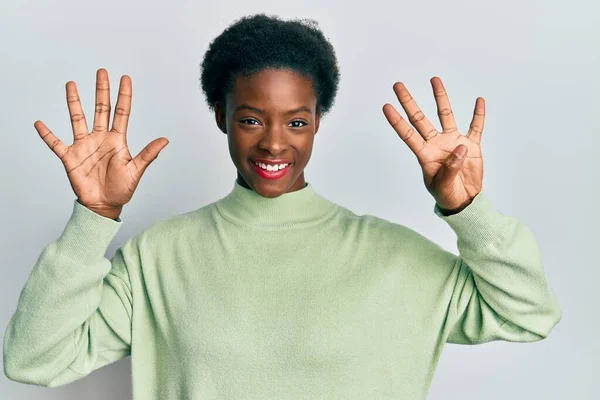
(258, 110)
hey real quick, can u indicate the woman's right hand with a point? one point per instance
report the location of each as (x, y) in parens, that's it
(100, 168)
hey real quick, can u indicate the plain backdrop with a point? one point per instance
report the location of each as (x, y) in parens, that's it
(534, 62)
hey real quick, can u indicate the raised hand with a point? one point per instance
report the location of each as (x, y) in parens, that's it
(452, 163)
(100, 168)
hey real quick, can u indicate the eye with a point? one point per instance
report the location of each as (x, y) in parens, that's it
(249, 119)
(300, 122)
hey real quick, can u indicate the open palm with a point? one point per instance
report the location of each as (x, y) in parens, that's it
(453, 181)
(99, 166)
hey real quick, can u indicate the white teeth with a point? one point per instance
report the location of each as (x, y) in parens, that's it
(270, 167)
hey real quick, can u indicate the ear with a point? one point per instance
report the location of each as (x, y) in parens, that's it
(220, 118)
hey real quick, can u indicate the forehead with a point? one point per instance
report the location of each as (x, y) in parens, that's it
(272, 87)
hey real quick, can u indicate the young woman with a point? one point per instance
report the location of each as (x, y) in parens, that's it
(272, 291)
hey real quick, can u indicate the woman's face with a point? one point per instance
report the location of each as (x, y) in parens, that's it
(270, 116)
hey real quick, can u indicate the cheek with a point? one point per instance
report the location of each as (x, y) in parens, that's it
(236, 145)
(234, 151)
(306, 146)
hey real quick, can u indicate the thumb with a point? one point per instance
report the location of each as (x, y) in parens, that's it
(452, 165)
(149, 154)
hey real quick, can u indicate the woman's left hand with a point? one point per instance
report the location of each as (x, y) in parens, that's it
(452, 163)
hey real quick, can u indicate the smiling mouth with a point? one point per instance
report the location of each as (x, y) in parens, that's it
(270, 171)
(271, 167)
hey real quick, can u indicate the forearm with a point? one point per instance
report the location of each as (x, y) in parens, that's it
(48, 337)
(502, 281)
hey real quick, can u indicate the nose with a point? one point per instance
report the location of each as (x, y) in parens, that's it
(273, 140)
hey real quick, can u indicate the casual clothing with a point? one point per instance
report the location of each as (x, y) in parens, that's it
(293, 297)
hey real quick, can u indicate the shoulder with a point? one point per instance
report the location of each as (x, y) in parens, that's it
(392, 236)
(375, 225)
(176, 227)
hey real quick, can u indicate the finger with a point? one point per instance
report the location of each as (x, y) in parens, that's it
(58, 147)
(414, 113)
(102, 115)
(78, 122)
(123, 107)
(403, 129)
(148, 154)
(443, 106)
(476, 127)
(451, 166)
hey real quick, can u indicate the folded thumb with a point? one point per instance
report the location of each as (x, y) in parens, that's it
(453, 164)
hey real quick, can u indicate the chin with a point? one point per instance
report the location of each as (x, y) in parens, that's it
(268, 190)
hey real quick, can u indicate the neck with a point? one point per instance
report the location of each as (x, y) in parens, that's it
(299, 208)
(298, 185)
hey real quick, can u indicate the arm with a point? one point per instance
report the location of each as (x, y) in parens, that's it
(500, 292)
(74, 313)
(498, 288)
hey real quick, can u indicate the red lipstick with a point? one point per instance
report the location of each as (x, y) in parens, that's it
(270, 174)
(267, 161)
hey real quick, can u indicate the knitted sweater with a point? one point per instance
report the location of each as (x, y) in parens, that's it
(293, 297)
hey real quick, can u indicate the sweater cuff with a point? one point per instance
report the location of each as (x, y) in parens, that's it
(87, 235)
(479, 223)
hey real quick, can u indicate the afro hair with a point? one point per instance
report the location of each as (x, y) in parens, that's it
(257, 42)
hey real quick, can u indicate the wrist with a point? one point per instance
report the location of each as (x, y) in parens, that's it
(106, 212)
(448, 213)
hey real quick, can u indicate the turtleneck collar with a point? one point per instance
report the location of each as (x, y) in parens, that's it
(296, 209)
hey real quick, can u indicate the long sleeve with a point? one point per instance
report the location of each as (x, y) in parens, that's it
(74, 312)
(500, 291)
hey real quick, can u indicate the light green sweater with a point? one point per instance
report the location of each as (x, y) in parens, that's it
(293, 297)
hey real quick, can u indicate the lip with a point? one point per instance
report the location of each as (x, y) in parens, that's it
(273, 162)
(269, 174)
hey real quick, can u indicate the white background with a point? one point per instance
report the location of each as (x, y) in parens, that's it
(534, 62)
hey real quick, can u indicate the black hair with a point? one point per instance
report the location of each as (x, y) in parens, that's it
(257, 42)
